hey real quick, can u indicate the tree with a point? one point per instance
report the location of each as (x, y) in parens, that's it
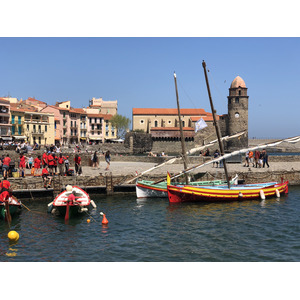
(121, 123)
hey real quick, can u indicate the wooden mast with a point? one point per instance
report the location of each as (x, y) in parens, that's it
(216, 124)
(184, 157)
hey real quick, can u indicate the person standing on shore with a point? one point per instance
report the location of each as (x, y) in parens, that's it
(216, 155)
(251, 158)
(265, 158)
(77, 160)
(22, 165)
(37, 166)
(67, 164)
(44, 159)
(5, 167)
(256, 157)
(61, 160)
(107, 159)
(247, 159)
(95, 160)
(50, 159)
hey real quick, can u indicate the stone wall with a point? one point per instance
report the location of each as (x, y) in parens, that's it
(138, 142)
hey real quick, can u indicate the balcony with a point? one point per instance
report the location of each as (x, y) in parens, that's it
(37, 132)
(34, 120)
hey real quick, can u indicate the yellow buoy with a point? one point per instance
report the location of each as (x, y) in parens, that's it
(13, 236)
(88, 220)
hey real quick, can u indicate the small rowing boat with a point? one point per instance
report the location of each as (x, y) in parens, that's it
(10, 208)
(71, 208)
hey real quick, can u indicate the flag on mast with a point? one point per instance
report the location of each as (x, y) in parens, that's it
(200, 124)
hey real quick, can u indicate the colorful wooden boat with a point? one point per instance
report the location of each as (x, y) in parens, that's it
(188, 193)
(14, 207)
(68, 209)
(150, 189)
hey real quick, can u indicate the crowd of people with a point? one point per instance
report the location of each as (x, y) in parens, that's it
(257, 159)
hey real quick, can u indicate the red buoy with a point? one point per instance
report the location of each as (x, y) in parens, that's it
(104, 220)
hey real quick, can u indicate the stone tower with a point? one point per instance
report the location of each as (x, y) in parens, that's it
(237, 113)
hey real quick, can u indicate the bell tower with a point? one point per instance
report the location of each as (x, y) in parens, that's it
(238, 114)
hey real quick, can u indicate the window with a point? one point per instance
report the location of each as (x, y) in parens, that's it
(13, 130)
(229, 101)
(169, 122)
(236, 100)
(19, 120)
(40, 140)
(12, 119)
(54, 124)
(142, 121)
(240, 92)
(155, 124)
(27, 127)
(183, 123)
(45, 128)
(71, 123)
(106, 133)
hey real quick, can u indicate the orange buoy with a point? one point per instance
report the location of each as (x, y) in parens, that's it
(104, 220)
(88, 220)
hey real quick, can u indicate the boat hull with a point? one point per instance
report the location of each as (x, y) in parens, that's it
(178, 194)
(74, 210)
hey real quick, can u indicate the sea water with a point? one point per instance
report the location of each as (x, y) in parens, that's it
(152, 230)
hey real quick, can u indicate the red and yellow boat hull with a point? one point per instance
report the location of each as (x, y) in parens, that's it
(177, 194)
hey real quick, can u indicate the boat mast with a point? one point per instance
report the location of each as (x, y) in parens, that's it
(184, 157)
(216, 124)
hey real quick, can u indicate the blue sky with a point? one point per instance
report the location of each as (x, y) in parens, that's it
(138, 72)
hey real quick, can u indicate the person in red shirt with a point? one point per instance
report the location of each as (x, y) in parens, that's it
(71, 197)
(44, 159)
(61, 160)
(4, 196)
(51, 163)
(46, 178)
(55, 163)
(77, 160)
(37, 165)
(4, 185)
(22, 165)
(5, 166)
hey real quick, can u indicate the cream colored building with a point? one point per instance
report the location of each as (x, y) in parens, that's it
(32, 126)
(99, 106)
(147, 118)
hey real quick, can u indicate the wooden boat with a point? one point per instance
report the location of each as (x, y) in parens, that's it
(68, 209)
(188, 193)
(150, 189)
(14, 206)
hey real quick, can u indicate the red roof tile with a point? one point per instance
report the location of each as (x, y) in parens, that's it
(168, 111)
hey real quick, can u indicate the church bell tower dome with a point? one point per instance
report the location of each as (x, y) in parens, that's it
(238, 82)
